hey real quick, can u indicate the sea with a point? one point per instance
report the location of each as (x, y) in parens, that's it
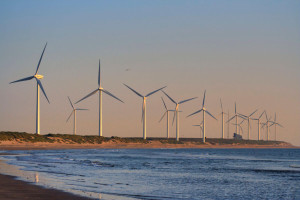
(163, 174)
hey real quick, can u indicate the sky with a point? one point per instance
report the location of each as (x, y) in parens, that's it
(241, 51)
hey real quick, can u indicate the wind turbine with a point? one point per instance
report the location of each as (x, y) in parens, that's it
(74, 111)
(177, 112)
(275, 124)
(39, 85)
(245, 117)
(204, 111)
(222, 113)
(201, 127)
(239, 128)
(267, 124)
(258, 124)
(144, 106)
(100, 90)
(166, 112)
(236, 119)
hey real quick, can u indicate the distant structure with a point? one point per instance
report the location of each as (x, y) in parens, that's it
(258, 124)
(237, 136)
(247, 117)
(223, 124)
(236, 118)
(100, 90)
(166, 112)
(203, 109)
(144, 106)
(74, 112)
(39, 85)
(177, 112)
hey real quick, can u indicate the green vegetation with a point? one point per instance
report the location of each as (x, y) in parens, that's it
(78, 139)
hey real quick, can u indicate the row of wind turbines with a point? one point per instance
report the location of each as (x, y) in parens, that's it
(176, 111)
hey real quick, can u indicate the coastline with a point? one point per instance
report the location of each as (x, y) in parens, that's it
(13, 145)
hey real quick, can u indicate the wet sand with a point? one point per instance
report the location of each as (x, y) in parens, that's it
(10, 188)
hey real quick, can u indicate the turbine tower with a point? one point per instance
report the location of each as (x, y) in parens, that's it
(222, 113)
(166, 112)
(100, 90)
(258, 124)
(275, 124)
(144, 106)
(74, 111)
(39, 85)
(177, 112)
(204, 111)
(245, 117)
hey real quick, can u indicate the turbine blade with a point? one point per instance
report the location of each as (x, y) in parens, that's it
(194, 113)
(23, 79)
(81, 109)
(261, 114)
(221, 105)
(134, 91)
(231, 119)
(195, 125)
(253, 113)
(275, 117)
(169, 97)
(242, 116)
(38, 66)
(210, 115)
(70, 116)
(71, 102)
(162, 116)
(99, 77)
(155, 91)
(41, 86)
(235, 107)
(110, 94)
(203, 99)
(143, 110)
(173, 118)
(187, 100)
(164, 103)
(88, 95)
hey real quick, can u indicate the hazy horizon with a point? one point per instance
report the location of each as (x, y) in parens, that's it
(245, 52)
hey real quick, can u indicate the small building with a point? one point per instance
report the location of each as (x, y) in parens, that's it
(237, 136)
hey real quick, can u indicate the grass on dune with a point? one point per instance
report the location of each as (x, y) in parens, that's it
(88, 139)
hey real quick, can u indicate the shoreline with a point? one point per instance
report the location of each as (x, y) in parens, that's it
(12, 145)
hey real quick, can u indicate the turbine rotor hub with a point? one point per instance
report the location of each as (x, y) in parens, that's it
(38, 76)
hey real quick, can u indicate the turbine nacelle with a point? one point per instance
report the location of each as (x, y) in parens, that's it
(38, 76)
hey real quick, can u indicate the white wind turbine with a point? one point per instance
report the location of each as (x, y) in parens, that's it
(223, 124)
(100, 90)
(144, 106)
(267, 124)
(275, 124)
(74, 111)
(39, 85)
(236, 119)
(258, 124)
(203, 109)
(176, 114)
(166, 112)
(245, 117)
(201, 127)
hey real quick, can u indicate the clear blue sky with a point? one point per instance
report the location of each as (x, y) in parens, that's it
(244, 51)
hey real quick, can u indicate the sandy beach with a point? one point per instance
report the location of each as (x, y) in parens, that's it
(13, 145)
